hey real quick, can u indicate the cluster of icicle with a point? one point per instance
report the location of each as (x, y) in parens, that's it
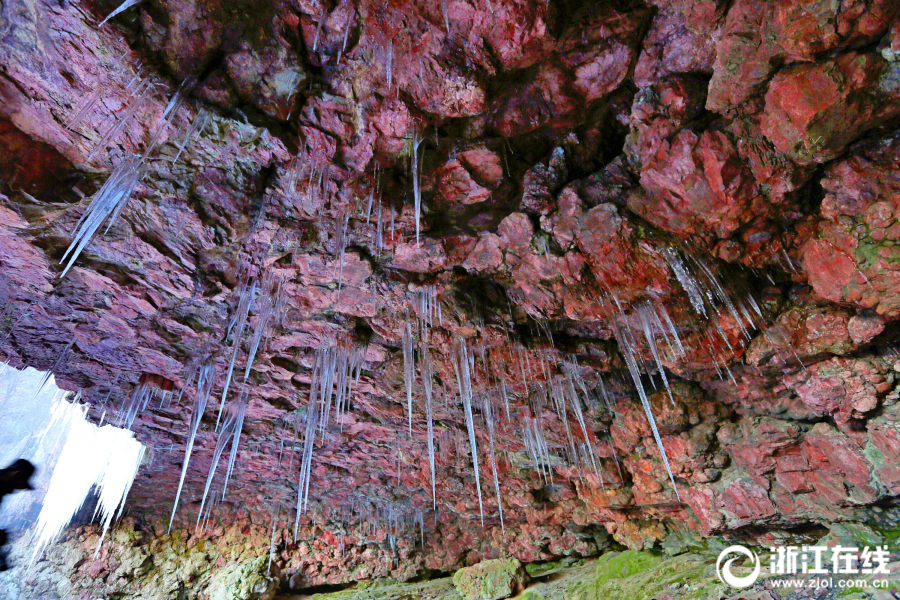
(265, 293)
(709, 299)
(336, 369)
(80, 458)
(108, 203)
(105, 459)
(360, 522)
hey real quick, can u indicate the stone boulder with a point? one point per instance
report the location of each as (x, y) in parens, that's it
(491, 579)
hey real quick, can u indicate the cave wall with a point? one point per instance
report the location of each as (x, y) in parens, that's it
(565, 148)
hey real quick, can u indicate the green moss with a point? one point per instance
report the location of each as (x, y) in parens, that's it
(489, 579)
(538, 568)
(636, 575)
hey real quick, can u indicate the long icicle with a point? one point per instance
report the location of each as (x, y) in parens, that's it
(409, 367)
(488, 410)
(225, 435)
(464, 381)
(240, 411)
(427, 383)
(633, 370)
(105, 206)
(417, 186)
(236, 327)
(205, 378)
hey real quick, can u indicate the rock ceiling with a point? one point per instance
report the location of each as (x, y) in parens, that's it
(588, 176)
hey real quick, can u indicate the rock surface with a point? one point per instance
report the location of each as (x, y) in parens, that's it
(491, 579)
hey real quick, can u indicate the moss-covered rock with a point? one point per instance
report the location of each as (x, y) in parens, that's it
(491, 579)
(635, 575)
(244, 581)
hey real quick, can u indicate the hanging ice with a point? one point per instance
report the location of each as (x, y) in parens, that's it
(343, 234)
(240, 411)
(106, 205)
(626, 346)
(143, 94)
(205, 379)
(688, 283)
(136, 402)
(488, 411)
(409, 367)
(417, 186)
(271, 303)
(106, 457)
(246, 292)
(122, 7)
(197, 126)
(646, 325)
(390, 62)
(462, 367)
(229, 432)
(428, 383)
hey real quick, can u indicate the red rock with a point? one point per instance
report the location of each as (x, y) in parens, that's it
(842, 388)
(696, 185)
(814, 110)
(744, 501)
(681, 39)
(457, 186)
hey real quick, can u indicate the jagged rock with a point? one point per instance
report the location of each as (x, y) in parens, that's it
(565, 155)
(491, 579)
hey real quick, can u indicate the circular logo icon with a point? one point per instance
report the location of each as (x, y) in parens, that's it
(724, 570)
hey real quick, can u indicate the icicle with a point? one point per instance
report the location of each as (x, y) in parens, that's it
(175, 102)
(505, 395)
(409, 367)
(464, 380)
(122, 7)
(312, 415)
(271, 301)
(205, 379)
(379, 232)
(687, 281)
(85, 108)
(236, 328)
(342, 244)
(197, 126)
(446, 12)
(537, 448)
(417, 186)
(136, 402)
(319, 28)
(226, 434)
(52, 371)
(626, 348)
(143, 97)
(488, 411)
(390, 68)
(428, 383)
(105, 206)
(579, 416)
(369, 207)
(240, 411)
(661, 309)
(346, 34)
(651, 342)
(272, 541)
